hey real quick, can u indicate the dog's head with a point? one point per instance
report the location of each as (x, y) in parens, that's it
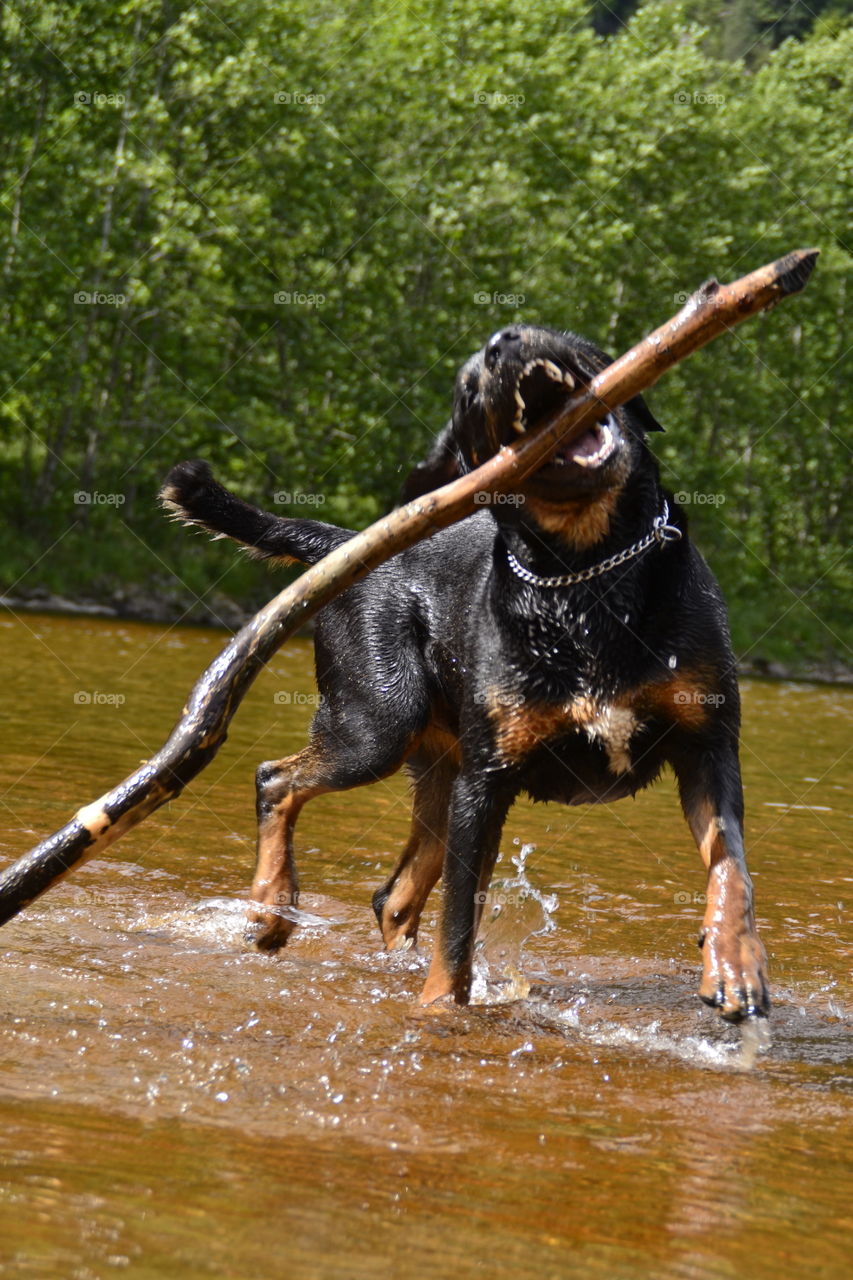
(521, 375)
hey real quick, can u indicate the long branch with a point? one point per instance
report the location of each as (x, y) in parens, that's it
(203, 725)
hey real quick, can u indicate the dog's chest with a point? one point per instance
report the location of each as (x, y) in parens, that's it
(521, 726)
(612, 726)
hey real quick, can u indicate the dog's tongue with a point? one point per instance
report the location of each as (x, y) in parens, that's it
(586, 446)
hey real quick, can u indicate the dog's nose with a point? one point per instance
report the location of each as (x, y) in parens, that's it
(499, 344)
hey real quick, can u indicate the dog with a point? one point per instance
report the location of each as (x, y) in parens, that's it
(567, 641)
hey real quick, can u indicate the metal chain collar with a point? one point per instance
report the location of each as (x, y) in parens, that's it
(661, 532)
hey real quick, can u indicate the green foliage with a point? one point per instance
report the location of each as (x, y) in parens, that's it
(298, 222)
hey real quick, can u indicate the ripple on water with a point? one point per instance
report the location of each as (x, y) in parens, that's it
(130, 1000)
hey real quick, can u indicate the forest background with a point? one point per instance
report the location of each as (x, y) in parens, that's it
(268, 235)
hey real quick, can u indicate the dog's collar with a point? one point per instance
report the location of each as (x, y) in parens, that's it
(661, 532)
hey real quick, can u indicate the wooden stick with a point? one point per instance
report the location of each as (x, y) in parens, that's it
(202, 728)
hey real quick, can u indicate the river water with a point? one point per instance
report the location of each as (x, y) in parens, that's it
(174, 1105)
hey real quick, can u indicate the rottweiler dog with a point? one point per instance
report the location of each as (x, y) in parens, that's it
(566, 641)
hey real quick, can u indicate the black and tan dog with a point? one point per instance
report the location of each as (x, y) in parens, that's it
(567, 642)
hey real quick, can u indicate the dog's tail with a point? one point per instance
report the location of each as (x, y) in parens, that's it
(191, 494)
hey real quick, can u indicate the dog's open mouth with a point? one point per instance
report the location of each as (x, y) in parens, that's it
(591, 450)
(541, 389)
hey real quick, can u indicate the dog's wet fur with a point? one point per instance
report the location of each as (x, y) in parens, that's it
(486, 684)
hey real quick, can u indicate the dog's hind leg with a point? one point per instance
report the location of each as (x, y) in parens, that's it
(400, 901)
(282, 788)
(328, 763)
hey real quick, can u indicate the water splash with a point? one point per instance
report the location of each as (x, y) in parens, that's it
(652, 1037)
(220, 921)
(755, 1038)
(513, 911)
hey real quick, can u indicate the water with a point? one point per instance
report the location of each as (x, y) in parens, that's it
(174, 1105)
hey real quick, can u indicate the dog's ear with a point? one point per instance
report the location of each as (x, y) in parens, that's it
(441, 465)
(643, 414)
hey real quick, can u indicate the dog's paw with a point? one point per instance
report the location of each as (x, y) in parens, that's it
(267, 930)
(398, 917)
(734, 978)
(399, 931)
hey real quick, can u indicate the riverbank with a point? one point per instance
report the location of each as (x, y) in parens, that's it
(137, 604)
(222, 612)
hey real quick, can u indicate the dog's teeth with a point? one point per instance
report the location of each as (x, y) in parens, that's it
(518, 421)
(553, 371)
(592, 459)
(606, 440)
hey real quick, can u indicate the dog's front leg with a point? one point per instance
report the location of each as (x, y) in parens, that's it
(478, 807)
(734, 976)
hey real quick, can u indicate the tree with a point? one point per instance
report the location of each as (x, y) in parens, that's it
(296, 224)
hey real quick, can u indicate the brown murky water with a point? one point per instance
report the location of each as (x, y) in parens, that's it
(173, 1105)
